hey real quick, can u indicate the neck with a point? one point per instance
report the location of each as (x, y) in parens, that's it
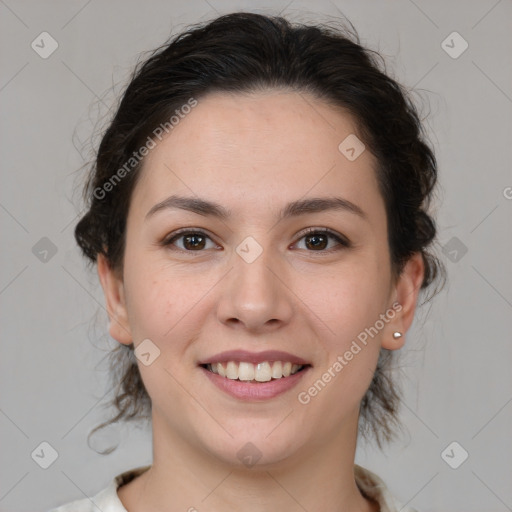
(320, 477)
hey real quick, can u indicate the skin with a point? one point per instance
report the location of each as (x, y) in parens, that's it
(253, 154)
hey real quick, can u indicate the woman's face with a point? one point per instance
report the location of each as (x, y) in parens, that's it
(253, 282)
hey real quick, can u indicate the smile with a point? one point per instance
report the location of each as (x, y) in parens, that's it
(250, 376)
(260, 372)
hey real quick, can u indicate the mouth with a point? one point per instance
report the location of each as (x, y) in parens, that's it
(254, 376)
(245, 371)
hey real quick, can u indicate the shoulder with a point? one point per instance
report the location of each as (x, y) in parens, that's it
(106, 499)
(374, 487)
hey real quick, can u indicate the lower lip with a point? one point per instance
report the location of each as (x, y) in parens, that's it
(255, 391)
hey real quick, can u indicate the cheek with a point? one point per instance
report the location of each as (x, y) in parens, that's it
(158, 308)
(349, 304)
(348, 299)
(155, 301)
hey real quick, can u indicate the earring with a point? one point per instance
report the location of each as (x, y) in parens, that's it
(397, 335)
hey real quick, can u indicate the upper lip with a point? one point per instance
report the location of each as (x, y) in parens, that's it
(253, 357)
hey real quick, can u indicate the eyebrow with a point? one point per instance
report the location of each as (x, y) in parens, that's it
(293, 209)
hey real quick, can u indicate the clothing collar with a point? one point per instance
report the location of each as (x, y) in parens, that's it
(370, 485)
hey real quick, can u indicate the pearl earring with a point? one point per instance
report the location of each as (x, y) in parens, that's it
(397, 335)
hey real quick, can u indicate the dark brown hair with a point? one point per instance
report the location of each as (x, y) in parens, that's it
(242, 53)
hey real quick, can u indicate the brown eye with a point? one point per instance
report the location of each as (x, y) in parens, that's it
(192, 241)
(318, 240)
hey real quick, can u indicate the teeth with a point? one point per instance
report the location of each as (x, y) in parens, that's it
(232, 370)
(261, 372)
(246, 371)
(277, 370)
(220, 370)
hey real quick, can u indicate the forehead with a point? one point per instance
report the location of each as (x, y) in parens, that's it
(257, 149)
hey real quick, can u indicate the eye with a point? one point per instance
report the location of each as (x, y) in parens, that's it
(318, 240)
(193, 241)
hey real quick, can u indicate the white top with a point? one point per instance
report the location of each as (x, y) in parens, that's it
(107, 500)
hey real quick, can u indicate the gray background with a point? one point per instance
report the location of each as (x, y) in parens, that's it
(457, 365)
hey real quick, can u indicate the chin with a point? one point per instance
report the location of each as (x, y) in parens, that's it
(262, 445)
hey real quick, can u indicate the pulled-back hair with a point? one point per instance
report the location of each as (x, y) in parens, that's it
(243, 53)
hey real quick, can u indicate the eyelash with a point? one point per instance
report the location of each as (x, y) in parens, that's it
(342, 241)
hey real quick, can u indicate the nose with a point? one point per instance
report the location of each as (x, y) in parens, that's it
(255, 296)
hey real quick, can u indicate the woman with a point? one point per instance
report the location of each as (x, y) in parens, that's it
(258, 214)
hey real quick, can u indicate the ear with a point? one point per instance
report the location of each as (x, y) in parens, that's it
(113, 290)
(405, 291)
